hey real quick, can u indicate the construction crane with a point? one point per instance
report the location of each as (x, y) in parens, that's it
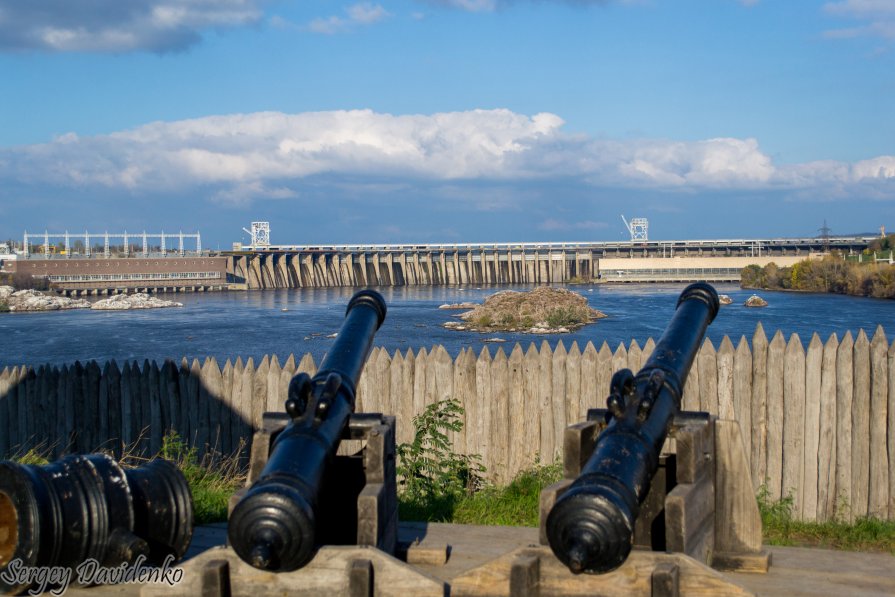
(637, 227)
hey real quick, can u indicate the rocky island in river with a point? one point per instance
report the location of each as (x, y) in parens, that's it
(544, 310)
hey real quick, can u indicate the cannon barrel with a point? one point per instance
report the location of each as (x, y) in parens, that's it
(591, 527)
(89, 507)
(273, 527)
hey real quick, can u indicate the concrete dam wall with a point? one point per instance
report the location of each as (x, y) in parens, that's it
(315, 269)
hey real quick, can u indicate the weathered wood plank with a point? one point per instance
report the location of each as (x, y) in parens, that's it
(259, 391)
(691, 388)
(194, 382)
(549, 444)
(707, 363)
(246, 400)
(465, 393)
(844, 406)
(619, 359)
(155, 409)
(393, 400)
(826, 443)
(860, 450)
(407, 412)
(635, 356)
(735, 505)
(810, 463)
(228, 409)
(420, 371)
(759, 458)
(274, 401)
(483, 406)
(186, 422)
(4, 413)
(516, 413)
(172, 393)
(891, 425)
(145, 409)
(794, 422)
(531, 409)
(443, 367)
(742, 399)
(725, 357)
(776, 359)
(878, 504)
(604, 374)
(499, 432)
(559, 394)
(590, 392)
(573, 386)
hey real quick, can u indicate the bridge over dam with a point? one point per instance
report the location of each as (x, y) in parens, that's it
(307, 266)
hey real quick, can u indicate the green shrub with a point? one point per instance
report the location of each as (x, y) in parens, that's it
(4, 307)
(508, 320)
(431, 476)
(484, 321)
(563, 317)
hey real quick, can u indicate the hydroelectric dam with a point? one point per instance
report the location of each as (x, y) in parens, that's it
(312, 266)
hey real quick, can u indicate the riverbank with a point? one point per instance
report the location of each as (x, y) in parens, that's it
(831, 274)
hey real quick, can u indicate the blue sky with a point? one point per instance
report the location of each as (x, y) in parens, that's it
(447, 120)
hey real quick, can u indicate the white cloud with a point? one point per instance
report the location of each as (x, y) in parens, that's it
(363, 13)
(118, 25)
(552, 224)
(240, 157)
(878, 18)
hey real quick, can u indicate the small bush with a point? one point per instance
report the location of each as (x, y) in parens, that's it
(563, 317)
(4, 307)
(484, 321)
(431, 476)
(508, 320)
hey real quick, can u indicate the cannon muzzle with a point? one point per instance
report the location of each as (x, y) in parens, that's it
(273, 527)
(591, 527)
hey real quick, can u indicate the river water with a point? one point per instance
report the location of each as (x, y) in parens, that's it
(252, 324)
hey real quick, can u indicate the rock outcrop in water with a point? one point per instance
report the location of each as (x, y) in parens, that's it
(140, 300)
(544, 310)
(756, 301)
(23, 301)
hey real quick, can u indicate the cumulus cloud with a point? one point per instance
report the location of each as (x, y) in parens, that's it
(877, 18)
(363, 13)
(241, 157)
(117, 25)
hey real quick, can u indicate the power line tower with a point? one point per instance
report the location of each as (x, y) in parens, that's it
(638, 228)
(825, 236)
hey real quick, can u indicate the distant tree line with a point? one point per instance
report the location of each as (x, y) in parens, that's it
(830, 274)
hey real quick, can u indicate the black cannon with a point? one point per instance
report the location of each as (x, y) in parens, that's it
(591, 527)
(89, 507)
(273, 527)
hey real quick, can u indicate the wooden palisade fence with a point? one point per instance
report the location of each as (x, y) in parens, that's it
(818, 423)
